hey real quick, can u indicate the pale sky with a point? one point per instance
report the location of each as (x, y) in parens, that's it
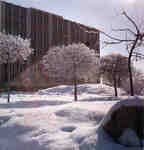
(101, 14)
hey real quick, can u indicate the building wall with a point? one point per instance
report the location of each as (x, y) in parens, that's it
(0, 15)
(45, 30)
(14, 20)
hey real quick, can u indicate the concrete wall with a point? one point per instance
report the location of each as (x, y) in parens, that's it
(0, 15)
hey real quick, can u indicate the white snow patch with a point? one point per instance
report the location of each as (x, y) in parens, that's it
(43, 120)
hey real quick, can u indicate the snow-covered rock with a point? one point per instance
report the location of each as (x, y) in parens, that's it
(124, 122)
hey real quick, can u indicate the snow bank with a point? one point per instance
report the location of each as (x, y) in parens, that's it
(99, 89)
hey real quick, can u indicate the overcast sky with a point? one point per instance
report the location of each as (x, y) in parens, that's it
(101, 14)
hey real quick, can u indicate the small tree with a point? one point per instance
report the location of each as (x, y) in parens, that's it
(114, 69)
(12, 49)
(73, 63)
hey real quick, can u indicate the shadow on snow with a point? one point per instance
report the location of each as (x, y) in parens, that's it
(32, 104)
(13, 138)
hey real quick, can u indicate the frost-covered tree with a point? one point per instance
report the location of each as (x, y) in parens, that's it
(12, 49)
(72, 63)
(114, 69)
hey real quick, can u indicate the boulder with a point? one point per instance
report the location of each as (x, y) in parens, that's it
(126, 118)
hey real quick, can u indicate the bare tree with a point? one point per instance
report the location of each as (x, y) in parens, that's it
(114, 69)
(134, 39)
(72, 63)
(12, 49)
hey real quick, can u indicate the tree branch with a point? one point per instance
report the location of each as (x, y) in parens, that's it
(125, 30)
(116, 39)
(132, 21)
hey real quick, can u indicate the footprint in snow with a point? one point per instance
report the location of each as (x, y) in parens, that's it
(68, 128)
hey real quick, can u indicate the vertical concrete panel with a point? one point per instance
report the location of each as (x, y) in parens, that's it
(43, 31)
(50, 36)
(28, 23)
(60, 31)
(75, 32)
(62, 37)
(84, 36)
(3, 16)
(78, 35)
(0, 73)
(36, 31)
(0, 16)
(69, 31)
(28, 26)
(64, 32)
(12, 9)
(57, 30)
(98, 42)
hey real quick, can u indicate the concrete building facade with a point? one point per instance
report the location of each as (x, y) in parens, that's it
(44, 29)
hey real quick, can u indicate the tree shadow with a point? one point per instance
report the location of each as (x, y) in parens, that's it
(97, 118)
(14, 137)
(105, 98)
(4, 119)
(33, 104)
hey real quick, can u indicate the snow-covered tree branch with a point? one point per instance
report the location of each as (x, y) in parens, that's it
(13, 48)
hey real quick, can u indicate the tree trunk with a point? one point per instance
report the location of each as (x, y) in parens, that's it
(75, 83)
(75, 89)
(130, 77)
(8, 100)
(115, 87)
(129, 66)
(8, 82)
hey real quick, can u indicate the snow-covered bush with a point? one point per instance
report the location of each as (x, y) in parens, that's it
(73, 62)
(12, 49)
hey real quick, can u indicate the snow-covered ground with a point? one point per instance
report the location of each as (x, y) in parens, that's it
(50, 120)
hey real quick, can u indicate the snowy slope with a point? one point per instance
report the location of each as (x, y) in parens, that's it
(99, 89)
(50, 120)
